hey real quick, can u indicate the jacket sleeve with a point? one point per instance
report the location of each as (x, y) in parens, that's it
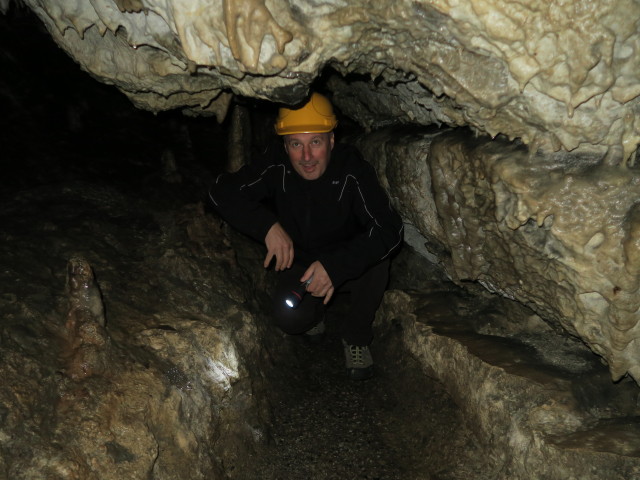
(382, 228)
(238, 197)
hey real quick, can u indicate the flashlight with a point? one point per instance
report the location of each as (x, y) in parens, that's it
(293, 299)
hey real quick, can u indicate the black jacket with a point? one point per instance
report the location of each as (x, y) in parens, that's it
(343, 219)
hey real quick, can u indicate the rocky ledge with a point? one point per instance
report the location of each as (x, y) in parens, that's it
(541, 404)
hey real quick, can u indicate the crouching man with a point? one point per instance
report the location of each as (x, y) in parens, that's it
(326, 221)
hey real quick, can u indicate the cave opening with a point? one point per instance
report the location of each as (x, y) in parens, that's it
(210, 385)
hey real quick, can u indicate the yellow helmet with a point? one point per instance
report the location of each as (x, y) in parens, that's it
(316, 116)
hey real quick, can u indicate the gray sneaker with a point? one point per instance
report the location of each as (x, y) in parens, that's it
(358, 361)
(315, 335)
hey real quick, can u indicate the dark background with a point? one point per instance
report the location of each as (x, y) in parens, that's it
(58, 124)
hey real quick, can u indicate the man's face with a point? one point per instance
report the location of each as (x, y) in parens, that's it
(309, 153)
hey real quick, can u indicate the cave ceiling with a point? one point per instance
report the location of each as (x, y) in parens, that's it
(558, 75)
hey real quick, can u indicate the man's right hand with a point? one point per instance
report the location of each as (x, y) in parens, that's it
(280, 245)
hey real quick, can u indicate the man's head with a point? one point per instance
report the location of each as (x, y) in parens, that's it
(308, 136)
(309, 153)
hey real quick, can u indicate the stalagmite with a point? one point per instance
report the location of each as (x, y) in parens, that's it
(239, 140)
(86, 341)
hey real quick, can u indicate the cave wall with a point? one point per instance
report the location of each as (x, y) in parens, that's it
(558, 233)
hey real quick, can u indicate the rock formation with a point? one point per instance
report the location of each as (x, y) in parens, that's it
(558, 75)
(160, 390)
(86, 341)
(554, 232)
(544, 407)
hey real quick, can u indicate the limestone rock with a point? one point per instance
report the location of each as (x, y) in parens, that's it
(557, 75)
(138, 364)
(534, 419)
(555, 232)
(86, 341)
(239, 142)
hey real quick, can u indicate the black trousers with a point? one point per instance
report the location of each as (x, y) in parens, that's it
(365, 293)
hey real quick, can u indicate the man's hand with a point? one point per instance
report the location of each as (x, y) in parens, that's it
(321, 285)
(280, 245)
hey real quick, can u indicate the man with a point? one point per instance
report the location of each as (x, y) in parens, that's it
(329, 223)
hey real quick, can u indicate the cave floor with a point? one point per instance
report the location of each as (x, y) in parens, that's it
(400, 424)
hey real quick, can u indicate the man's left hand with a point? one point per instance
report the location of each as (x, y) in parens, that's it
(321, 285)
